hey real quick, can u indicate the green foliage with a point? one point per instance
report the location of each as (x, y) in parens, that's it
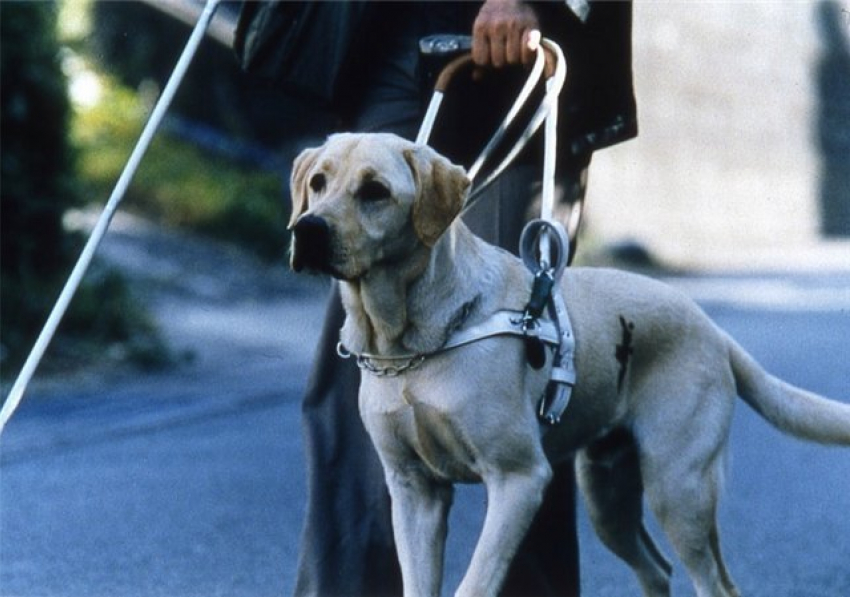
(37, 176)
(37, 172)
(177, 184)
(57, 156)
(38, 187)
(103, 320)
(134, 47)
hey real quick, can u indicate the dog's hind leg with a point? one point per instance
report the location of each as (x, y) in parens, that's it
(683, 495)
(608, 475)
(725, 577)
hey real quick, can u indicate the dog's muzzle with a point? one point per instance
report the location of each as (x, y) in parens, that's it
(311, 244)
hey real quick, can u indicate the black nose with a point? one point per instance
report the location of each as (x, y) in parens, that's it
(311, 241)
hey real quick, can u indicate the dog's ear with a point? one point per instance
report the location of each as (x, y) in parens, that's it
(298, 183)
(440, 191)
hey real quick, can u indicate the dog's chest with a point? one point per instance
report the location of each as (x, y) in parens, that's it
(441, 446)
(405, 420)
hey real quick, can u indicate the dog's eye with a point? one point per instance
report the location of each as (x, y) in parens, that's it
(317, 183)
(372, 190)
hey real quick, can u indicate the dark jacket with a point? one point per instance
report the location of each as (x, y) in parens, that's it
(319, 50)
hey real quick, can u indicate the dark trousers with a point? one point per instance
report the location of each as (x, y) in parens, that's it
(347, 547)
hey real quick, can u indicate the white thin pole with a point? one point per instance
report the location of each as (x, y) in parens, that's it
(46, 335)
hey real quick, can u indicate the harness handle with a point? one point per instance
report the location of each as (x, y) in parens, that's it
(465, 61)
(546, 111)
(549, 61)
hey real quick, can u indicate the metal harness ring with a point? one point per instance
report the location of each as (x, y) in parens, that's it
(559, 247)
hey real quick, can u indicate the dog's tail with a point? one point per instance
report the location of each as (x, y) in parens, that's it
(790, 409)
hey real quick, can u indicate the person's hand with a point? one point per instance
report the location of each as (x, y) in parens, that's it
(502, 34)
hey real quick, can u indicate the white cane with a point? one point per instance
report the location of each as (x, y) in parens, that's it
(46, 335)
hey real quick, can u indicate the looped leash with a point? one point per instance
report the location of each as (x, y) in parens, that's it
(557, 253)
(549, 60)
(545, 251)
(544, 244)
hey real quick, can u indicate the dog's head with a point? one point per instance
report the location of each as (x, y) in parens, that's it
(365, 199)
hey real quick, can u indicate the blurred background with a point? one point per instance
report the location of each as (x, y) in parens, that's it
(158, 452)
(78, 81)
(743, 157)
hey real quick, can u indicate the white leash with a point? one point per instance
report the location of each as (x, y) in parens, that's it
(522, 98)
(550, 261)
(544, 244)
(99, 231)
(546, 111)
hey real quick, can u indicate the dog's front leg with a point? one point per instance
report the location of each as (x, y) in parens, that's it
(513, 499)
(420, 507)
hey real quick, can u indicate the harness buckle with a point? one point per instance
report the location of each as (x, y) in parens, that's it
(541, 291)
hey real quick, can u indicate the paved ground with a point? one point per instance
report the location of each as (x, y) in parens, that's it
(191, 482)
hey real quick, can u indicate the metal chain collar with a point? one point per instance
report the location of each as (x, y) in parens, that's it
(368, 362)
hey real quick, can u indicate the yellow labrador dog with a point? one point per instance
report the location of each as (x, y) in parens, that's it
(650, 414)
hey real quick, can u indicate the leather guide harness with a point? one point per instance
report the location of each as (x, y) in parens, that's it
(544, 246)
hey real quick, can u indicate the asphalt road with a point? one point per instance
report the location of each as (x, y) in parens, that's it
(191, 483)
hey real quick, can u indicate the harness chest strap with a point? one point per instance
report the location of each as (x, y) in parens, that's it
(556, 332)
(501, 323)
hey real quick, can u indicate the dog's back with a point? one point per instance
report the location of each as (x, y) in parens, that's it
(632, 331)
